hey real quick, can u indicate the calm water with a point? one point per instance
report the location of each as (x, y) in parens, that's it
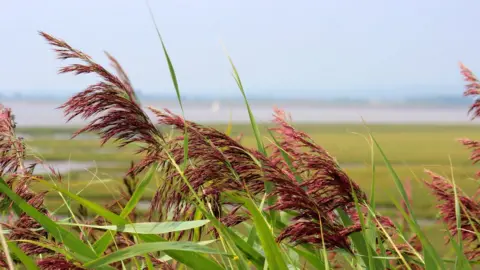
(43, 113)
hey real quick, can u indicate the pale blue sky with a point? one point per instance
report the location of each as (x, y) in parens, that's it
(283, 47)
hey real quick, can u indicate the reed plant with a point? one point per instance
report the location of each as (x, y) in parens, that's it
(287, 204)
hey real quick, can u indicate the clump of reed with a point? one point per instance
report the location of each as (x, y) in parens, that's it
(219, 204)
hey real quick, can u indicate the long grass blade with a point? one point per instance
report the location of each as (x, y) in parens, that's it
(27, 261)
(191, 259)
(15, 207)
(203, 243)
(138, 193)
(167, 57)
(98, 209)
(175, 85)
(5, 249)
(429, 249)
(360, 243)
(462, 261)
(254, 256)
(371, 234)
(148, 262)
(286, 158)
(68, 239)
(102, 244)
(256, 131)
(143, 248)
(253, 122)
(273, 253)
(314, 260)
(147, 227)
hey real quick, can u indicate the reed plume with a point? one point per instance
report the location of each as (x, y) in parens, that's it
(12, 148)
(322, 175)
(447, 194)
(444, 192)
(315, 187)
(474, 146)
(111, 103)
(472, 88)
(216, 164)
(18, 178)
(219, 164)
(57, 262)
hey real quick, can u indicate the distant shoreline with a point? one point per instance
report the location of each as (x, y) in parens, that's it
(45, 114)
(403, 104)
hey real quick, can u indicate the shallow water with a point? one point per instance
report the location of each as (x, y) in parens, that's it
(69, 166)
(43, 113)
(61, 166)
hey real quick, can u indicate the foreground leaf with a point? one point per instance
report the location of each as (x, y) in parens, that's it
(315, 260)
(27, 261)
(165, 258)
(147, 227)
(175, 85)
(431, 255)
(273, 254)
(98, 209)
(143, 248)
(60, 234)
(102, 244)
(191, 259)
(138, 193)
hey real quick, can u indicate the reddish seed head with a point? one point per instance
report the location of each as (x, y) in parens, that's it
(57, 262)
(324, 188)
(12, 148)
(217, 164)
(474, 146)
(467, 73)
(469, 210)
(111, 103)
(471, 89)
(4, 113)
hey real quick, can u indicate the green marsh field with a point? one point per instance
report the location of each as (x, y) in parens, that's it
(97, 171)
(410, 148)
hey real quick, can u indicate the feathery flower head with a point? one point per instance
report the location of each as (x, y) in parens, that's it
(111, 103)
(324, 188)
(57, 262)
(471, 89)
(12, 149)
(217, 164)
(321, 172)
(444, 192)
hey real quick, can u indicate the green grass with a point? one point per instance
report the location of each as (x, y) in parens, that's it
(405, 144)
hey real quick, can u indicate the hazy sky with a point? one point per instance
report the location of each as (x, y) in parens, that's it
(283, 47)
